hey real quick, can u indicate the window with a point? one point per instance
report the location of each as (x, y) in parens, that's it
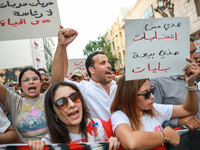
(197, 4)
(148, 13)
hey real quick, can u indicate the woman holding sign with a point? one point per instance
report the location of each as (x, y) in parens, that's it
(136, 120)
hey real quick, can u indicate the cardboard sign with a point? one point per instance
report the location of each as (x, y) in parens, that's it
(76, 64)
(156, 47)
(24, 19)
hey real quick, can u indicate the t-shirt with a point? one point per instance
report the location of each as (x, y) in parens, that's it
(150, 124)
(76, 138)
(4, 122)
(28, 116)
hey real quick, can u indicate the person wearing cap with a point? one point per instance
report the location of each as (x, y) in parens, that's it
(45, 82)
(77, 76)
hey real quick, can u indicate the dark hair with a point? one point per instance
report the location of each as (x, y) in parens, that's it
(113, 69)
(90, 62)
(126, 101)
(45, 74)
(191, 40)
(41, 69)
(58, 132)
(26, 69)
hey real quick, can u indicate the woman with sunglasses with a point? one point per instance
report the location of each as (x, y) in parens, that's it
(28, 118)
(3, 76)
(68, 118)
(133, 112)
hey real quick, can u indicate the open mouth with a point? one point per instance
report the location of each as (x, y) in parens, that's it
(74, 114)
(108, 73)
(32, 89)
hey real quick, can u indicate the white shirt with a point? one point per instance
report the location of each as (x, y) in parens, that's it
(96, 97)
(150, 124)
(4, 122)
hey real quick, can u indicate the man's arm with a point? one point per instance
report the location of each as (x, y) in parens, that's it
(60, 61)
(9, 136)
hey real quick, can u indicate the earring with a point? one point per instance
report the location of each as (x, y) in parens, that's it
(56, 118)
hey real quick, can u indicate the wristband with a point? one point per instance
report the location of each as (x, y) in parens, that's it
(162, 136)
(191, 88)
(166, 139)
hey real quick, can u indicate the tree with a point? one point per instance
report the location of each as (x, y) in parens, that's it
(100, 45)
(49, 68)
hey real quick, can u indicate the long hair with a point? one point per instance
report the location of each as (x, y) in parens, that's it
(58, 132)
(126, 101)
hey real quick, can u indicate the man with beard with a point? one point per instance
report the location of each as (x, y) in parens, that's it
(99, 92)
(172, 90)
(45, 82)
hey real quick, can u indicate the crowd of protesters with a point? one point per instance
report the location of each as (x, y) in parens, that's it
(57, 109)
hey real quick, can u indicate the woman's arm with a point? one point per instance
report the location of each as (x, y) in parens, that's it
(36, 145)
(191, 104)
(114, 143)
(130, 139)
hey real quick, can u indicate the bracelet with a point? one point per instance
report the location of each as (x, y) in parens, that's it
(162, 137)
(166, 139)
(191, 88)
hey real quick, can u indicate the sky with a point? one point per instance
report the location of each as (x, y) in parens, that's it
(90, 18)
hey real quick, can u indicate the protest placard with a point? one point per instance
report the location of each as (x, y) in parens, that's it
(156, 47)
(24, 19)
(76, 64)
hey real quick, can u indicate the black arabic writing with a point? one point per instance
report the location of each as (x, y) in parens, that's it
(14, 5)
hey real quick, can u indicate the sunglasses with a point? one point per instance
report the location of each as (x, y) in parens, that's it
(148, 94)
(63, 101)
(2, 75)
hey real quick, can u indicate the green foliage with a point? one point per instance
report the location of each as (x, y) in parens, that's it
(49, 68)
(100, 45)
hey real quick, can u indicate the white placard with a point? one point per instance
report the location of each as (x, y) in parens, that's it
(76, 64)
(156, 47)
(24, 19)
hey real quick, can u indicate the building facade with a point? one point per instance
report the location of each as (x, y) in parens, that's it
(115, 37)
(17, 54)
(144, 9)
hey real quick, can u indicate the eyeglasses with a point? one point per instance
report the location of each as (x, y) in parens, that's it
(148, 94)
(28, 79)
(2, 75)
(63, 101)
